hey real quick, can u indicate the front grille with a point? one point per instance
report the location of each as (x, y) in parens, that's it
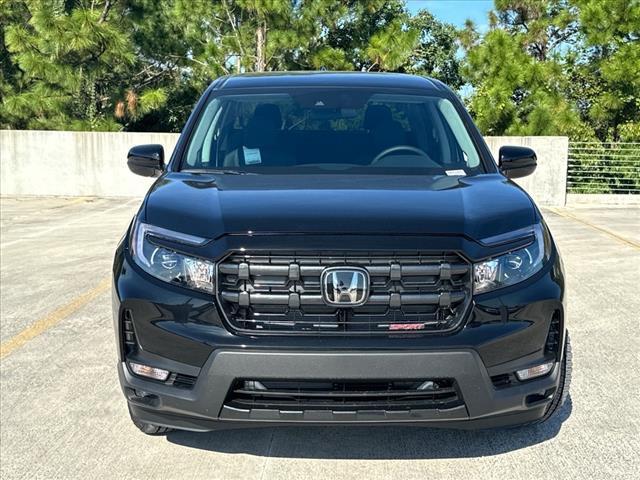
(281, 293)
(252, 395)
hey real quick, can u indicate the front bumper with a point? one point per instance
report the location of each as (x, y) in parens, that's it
(203, 408)
(183, 332)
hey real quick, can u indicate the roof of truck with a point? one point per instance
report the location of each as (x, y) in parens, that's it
(325, 79)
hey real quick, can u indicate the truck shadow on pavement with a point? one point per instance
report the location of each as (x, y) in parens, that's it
(376, 443)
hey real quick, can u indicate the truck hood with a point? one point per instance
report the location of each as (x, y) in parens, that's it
(210, 206)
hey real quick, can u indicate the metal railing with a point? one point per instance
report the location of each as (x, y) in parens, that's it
(610, 167)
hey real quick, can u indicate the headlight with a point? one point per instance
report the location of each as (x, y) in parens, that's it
(167, 264)
(512, 267)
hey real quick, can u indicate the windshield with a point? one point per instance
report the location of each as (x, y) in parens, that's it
(344, 131)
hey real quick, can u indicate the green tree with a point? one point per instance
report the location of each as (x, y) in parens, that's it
(224, 37)
(608, 71)
(543, 27)
(435, 54)
(74, 67)
(566, 67)
(359, 29)
(516, 70)
(262, 35)
(141, 64)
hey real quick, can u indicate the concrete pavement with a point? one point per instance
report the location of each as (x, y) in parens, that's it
(63, 415)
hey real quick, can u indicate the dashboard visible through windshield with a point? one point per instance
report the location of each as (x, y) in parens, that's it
(331, 131)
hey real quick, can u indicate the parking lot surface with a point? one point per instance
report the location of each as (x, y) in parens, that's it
(63, 415)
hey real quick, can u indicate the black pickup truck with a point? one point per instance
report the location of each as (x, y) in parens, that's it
(337, 248)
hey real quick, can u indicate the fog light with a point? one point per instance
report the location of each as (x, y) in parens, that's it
(533, 372)
(147, 371)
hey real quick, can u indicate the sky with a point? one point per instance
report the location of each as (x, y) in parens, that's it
(456, 11)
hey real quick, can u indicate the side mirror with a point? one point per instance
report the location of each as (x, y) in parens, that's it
(146, 160)
(516, 162)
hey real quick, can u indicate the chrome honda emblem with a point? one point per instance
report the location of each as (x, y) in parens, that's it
(345, 286)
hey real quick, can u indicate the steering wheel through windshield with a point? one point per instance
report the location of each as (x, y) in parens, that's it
(399, 148)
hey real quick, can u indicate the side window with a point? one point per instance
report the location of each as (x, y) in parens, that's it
(200, 145)
(209, 140)
(454, 122)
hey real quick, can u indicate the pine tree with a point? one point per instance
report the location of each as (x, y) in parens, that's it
(436, 53)
(517, 71)
(609, 68)
(141, 64)
(75, 67)
(550, 67)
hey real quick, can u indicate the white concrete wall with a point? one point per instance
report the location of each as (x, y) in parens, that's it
(36, 162)
(591, 199)
(548, 184)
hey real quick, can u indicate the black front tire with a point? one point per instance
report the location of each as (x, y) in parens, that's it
(148, 428)
(562, 394)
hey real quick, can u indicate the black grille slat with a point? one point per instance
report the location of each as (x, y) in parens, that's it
(347, 394)
(281, 292)
(552, 343)
(128, 332)
(305, 270)
(343, 396)
(283, 299)
(343, 405)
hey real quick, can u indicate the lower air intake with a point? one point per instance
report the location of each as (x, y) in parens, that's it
(276, 395)
(553, 338)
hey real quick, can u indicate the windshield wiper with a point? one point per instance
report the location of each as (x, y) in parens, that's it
(217, 171)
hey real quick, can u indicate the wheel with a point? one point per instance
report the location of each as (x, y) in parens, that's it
(148, 428)
(563, 387)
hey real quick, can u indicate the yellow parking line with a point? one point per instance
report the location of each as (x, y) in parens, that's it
(631, 243)
(52, 319)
